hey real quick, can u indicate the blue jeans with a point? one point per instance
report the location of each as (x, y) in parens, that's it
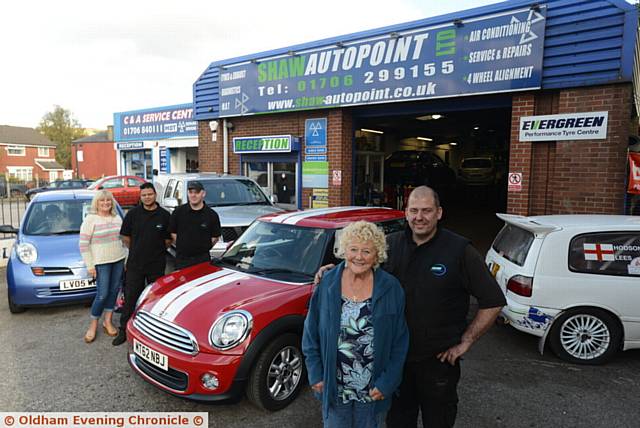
(108, 282)
(353, 415)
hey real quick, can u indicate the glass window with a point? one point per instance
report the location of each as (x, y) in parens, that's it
(266, 248)
(16, 150)
(178, 194)
(113, 183)
(225, 192)
(43, 151)
(56, 217)
(513, 243)
(169, 189)
(609, 253)
(132, 182)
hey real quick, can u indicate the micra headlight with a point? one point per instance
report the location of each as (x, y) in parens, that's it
(230, 329)
(27, 253)
(143, 295)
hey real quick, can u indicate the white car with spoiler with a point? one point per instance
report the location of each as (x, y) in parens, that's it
(572, 280)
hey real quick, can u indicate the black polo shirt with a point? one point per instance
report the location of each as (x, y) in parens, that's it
(438, 277)
(194, 229)
(148, 230)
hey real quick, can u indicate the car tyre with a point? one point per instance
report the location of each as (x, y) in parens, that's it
(586, 336)
(13, 308)
(278, 375)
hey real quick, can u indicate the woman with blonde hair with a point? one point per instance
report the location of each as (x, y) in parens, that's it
(103, 254)
(355, 336)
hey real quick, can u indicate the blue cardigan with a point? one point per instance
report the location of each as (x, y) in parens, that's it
(390, 335)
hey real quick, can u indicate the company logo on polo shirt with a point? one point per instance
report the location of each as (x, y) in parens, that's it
(439, 269)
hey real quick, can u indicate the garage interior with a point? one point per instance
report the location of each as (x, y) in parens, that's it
(463, 154)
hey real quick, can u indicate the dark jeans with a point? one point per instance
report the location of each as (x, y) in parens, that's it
(108, 282)
(429, 386)
(135, 281)
(186, 261)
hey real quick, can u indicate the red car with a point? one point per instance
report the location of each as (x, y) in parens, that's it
(217, 330)
(125, 188)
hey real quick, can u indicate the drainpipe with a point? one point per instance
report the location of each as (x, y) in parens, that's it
(225, 147)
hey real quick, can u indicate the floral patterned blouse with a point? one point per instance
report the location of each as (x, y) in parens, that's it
(355, 351)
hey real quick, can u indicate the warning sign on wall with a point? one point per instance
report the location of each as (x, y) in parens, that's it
(515, 182)
(320, 198)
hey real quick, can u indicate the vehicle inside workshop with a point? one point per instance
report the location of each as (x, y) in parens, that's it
(464, 155)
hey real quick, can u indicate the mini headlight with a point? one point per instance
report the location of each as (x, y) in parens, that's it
(143, 295)
(230, 329)
(27, 253)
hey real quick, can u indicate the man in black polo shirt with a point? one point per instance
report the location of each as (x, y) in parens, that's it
(145, 231)
(438, 270)
(194, 227)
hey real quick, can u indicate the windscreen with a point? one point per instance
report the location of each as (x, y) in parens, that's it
(513, 243)
(477, 163)
(56, 217)
(226, 192)
(290, 252)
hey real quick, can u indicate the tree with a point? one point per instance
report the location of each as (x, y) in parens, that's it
(60, 127)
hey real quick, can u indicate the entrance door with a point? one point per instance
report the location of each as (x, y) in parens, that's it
(279, 179)
(369, 178)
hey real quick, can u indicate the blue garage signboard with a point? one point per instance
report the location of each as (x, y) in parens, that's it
(484, 55)
(157, 123)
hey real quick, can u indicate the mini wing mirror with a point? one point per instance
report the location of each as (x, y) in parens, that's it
(7, 228)
(273, 199)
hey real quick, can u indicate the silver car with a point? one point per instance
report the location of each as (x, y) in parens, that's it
(238, 201)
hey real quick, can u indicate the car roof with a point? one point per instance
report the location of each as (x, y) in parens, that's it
(64, 195)
(108, 177)
(333, 218)
(201, 176)
(548, 223)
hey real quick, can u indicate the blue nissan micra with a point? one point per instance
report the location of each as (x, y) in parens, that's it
(45, 266)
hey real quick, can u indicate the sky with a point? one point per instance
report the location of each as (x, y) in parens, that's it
(97, 58)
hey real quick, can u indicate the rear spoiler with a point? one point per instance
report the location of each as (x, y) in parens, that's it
(527, 223)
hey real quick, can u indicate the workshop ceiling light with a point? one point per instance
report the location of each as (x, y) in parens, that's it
(371, 130)
(424, 138)
(430, 117)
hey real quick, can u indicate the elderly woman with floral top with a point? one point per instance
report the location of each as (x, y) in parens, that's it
(355, 336)
(103, 254)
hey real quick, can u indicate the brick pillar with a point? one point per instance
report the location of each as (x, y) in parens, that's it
(340, 148)
(590, 174)
(209, 152)
(520, 154)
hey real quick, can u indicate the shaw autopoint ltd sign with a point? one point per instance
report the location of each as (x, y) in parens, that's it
(489, 54)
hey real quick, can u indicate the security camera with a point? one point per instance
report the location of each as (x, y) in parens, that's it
(213, 125)
(230, 126)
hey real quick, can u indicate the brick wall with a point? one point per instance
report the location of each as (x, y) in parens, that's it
(28, 160)
(99, 160)
(339, 144)
(572, 177)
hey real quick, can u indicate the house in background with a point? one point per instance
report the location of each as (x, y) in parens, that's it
(94, 156)
(26, 155)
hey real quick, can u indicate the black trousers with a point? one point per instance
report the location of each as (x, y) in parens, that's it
(431, 387)
(186, 261)
(134, 282)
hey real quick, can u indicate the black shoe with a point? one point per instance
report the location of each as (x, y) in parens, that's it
(120, 338)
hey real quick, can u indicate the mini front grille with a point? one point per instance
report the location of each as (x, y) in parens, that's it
(165, 333)
(171, 378)
(57, 271)
(55, 291)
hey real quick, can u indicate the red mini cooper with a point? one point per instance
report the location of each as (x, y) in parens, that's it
(216, 330)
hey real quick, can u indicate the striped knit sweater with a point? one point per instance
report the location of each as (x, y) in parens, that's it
(100, 240)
